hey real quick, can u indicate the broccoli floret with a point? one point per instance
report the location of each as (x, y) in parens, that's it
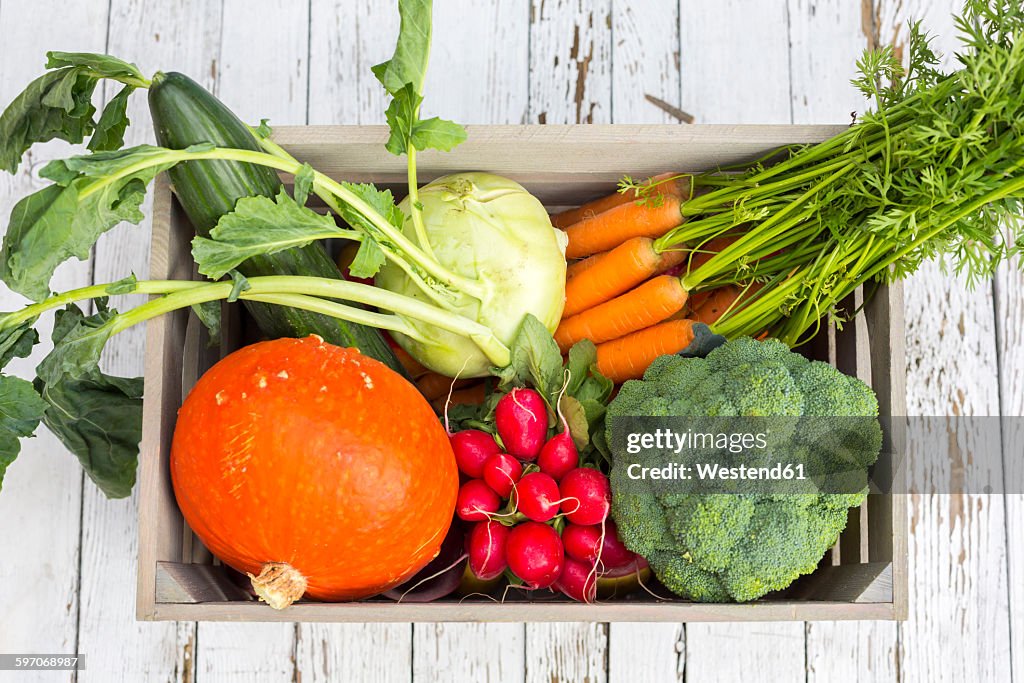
(737, 547)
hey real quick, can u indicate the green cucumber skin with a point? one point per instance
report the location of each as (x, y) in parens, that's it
(184, 113)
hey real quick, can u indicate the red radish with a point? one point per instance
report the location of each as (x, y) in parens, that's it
(537, 496)
(476, 501)
(586, 496)
(558, 456)
(522, 421)
(535, 554)
(614, 553)
(582, 543)
(472, 447)
(501, 471)
(578, 581)
(486, 549)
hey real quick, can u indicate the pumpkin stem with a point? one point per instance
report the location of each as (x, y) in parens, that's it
(279, 584)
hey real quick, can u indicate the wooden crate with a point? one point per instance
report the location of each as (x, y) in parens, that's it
(864, 576)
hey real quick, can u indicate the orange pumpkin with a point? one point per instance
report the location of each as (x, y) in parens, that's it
(313, 468)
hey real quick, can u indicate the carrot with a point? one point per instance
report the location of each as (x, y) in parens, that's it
(591, 209)
(703, 253)
(611, 228)
(615, 272)
(650, 303)
(628, 357)
(577, 267)
(472, 395)
(716, 302)
(411, 365)
(433, 385)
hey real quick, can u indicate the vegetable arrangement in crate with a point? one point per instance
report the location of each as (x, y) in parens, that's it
(311, 461)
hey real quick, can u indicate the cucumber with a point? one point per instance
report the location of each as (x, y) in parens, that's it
(184, 113)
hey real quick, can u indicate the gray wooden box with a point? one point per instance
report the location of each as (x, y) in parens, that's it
(864, 576)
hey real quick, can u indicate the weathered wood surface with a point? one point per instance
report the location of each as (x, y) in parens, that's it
(779, 61)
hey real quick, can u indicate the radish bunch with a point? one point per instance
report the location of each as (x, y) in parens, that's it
(539, 517)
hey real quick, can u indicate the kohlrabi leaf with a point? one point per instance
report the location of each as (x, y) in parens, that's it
(401, 118)
(91, 195)
(403, 76)
(96, 416)
(368, 260)
(109, 134)
(57, 105)
(21, 409)
(412, 52)
(436, 133)
(382, 201)
(407, 129)
(239, 284)
(260, 225)
(17, 341)
(370, 257)
(125, 285)
(303, 184)
(99, 64)
(208, 313)
(263, 130)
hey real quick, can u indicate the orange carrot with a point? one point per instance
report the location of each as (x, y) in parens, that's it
(472, 395)
(615, 272)
(628, 357)
(703, 253)
(650, 303)
(611, 228)
(591, 209)
(715, 304)
(433, 385)
(411, 365)
(577, 267)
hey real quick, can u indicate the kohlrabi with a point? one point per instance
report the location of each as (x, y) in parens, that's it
(492, 230)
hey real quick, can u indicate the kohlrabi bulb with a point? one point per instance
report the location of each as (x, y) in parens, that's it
(488, 228)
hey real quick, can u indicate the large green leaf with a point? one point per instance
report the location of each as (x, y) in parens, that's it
(21, 409)
(96, 416)
(412, 52)
(91, 195)
(58, 105)
(258, 226)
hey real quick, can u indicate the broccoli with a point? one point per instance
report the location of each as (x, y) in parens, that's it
(719, 547)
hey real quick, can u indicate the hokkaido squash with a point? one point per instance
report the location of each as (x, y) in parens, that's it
(313, 468)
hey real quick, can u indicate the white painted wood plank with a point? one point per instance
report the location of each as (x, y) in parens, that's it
(354, 652)
(734, 652)
(645, 61)
(826, 39)
(40, 506)
(570, 61)
(570, 82)
(347, 37)
(735, 69)
(258, 82)
(1009, 294)
(735, 61)
(452, 653)
(646, 652)
(958, 623)
(155, 36)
